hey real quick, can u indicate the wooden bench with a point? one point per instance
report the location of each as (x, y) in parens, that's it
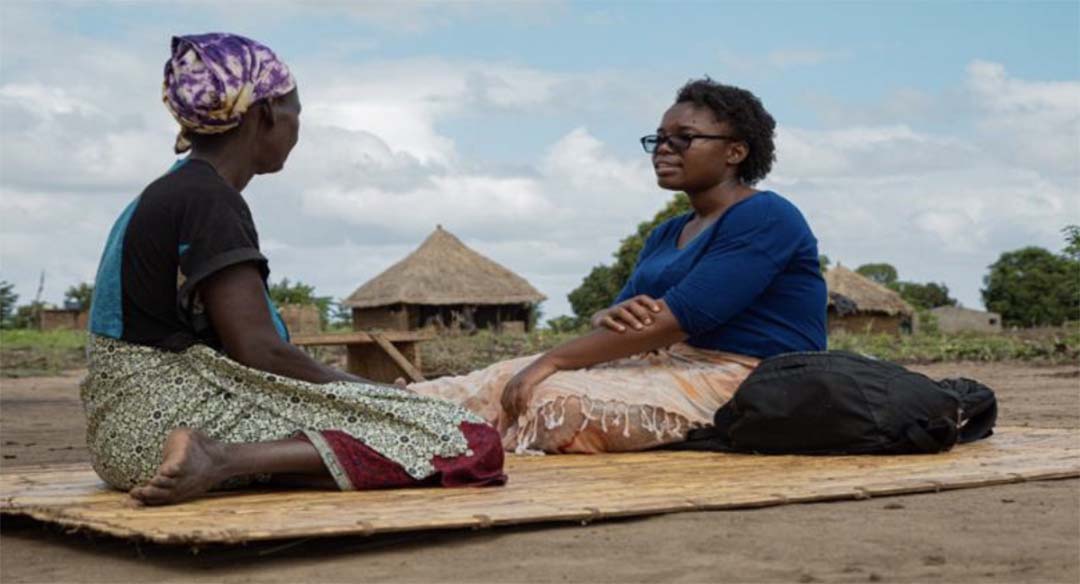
(378, 356)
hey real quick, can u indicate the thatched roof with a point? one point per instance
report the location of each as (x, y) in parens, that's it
(952, 310)
(444, 271)
(850, 292)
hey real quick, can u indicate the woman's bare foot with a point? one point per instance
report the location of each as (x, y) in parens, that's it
(191, 464)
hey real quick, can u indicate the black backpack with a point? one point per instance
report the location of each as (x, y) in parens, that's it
(835, 402)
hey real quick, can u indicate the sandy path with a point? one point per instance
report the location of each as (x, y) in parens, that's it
(1013, 533)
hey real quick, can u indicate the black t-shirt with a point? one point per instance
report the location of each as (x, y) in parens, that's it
(185, 226)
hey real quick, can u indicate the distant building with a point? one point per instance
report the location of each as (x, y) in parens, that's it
(858, 304)
(301, 319)
(955, 319)
(444, 284)
(53, 319)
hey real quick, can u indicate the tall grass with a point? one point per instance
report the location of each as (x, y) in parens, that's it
(1054, 347)
(31, 352)
(29, 338)
(25, 352)
(458, 354)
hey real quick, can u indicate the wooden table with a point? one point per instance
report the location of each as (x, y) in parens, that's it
(378, 356)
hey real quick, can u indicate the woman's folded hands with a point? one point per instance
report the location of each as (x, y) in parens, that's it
(635, 313)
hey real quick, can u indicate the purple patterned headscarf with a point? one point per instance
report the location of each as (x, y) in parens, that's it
(212, 79)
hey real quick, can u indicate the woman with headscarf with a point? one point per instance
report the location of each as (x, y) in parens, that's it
(714, 291)
(192, 382)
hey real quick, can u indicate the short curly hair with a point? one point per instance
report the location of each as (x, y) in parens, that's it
(743, 111)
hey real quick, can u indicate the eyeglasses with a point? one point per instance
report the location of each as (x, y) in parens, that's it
(678, 142)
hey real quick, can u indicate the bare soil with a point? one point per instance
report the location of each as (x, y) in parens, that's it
(1014, 533)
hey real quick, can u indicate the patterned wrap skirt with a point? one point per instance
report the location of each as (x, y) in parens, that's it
(630, 404)
(369, 436)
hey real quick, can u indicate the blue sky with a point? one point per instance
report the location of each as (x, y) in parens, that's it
(931, 135)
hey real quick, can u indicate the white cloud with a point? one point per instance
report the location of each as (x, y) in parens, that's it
(42, 101)
(942, 206)
(1019, 122)
(402, 101)
(94, 148)
(907, 106)
(551, 225)
(582, 162)
(378, 166)
(1029, 123)
(1001, 93)
(466, 201)
(60, 233)
(939, 208)
(866, 151)
(371, 176)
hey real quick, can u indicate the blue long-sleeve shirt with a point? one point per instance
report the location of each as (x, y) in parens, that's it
(749, 284)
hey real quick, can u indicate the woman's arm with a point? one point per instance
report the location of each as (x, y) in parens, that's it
(604, 344)
(598, 346)
(235, 300)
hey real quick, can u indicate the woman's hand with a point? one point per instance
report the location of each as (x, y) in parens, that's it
(401, 384)
(518, 390)
(637, 313)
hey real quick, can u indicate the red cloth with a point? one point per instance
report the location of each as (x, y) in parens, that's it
(367, 469)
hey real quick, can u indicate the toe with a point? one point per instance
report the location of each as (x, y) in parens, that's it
(141, 494)
(151, 495)
(171, 470)
(163, 482)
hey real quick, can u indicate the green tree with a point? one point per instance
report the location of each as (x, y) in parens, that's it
(8, 298)
(597, 291)
(535, 314)
(285, 292)
(82, 295)
(824, 262)
(881, 273)
(340, 316)
(1072, 241)
(626, 256)
(1033, 287)
(601, 286)
(564, 324)
(28, 315)
(924, 296)
(921, 296)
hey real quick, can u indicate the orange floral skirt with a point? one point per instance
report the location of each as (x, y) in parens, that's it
(630, 404)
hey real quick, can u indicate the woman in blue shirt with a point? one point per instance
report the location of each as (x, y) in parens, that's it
(714, 291)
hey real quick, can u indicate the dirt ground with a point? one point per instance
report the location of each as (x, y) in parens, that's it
(1013, 533)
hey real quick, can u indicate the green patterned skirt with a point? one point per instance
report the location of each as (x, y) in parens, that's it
(368, 435)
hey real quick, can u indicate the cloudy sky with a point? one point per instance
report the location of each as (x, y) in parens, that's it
(933, 136)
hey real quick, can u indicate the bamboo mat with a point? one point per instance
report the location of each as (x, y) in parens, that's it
(541, 489)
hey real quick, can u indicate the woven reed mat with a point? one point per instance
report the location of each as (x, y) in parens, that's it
(542, 488)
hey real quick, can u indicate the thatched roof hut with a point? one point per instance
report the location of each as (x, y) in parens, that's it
(445, 281)
(859, 304)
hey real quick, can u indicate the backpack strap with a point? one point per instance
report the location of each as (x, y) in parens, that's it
(979, 407)
(938, 436)
(715, 437)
